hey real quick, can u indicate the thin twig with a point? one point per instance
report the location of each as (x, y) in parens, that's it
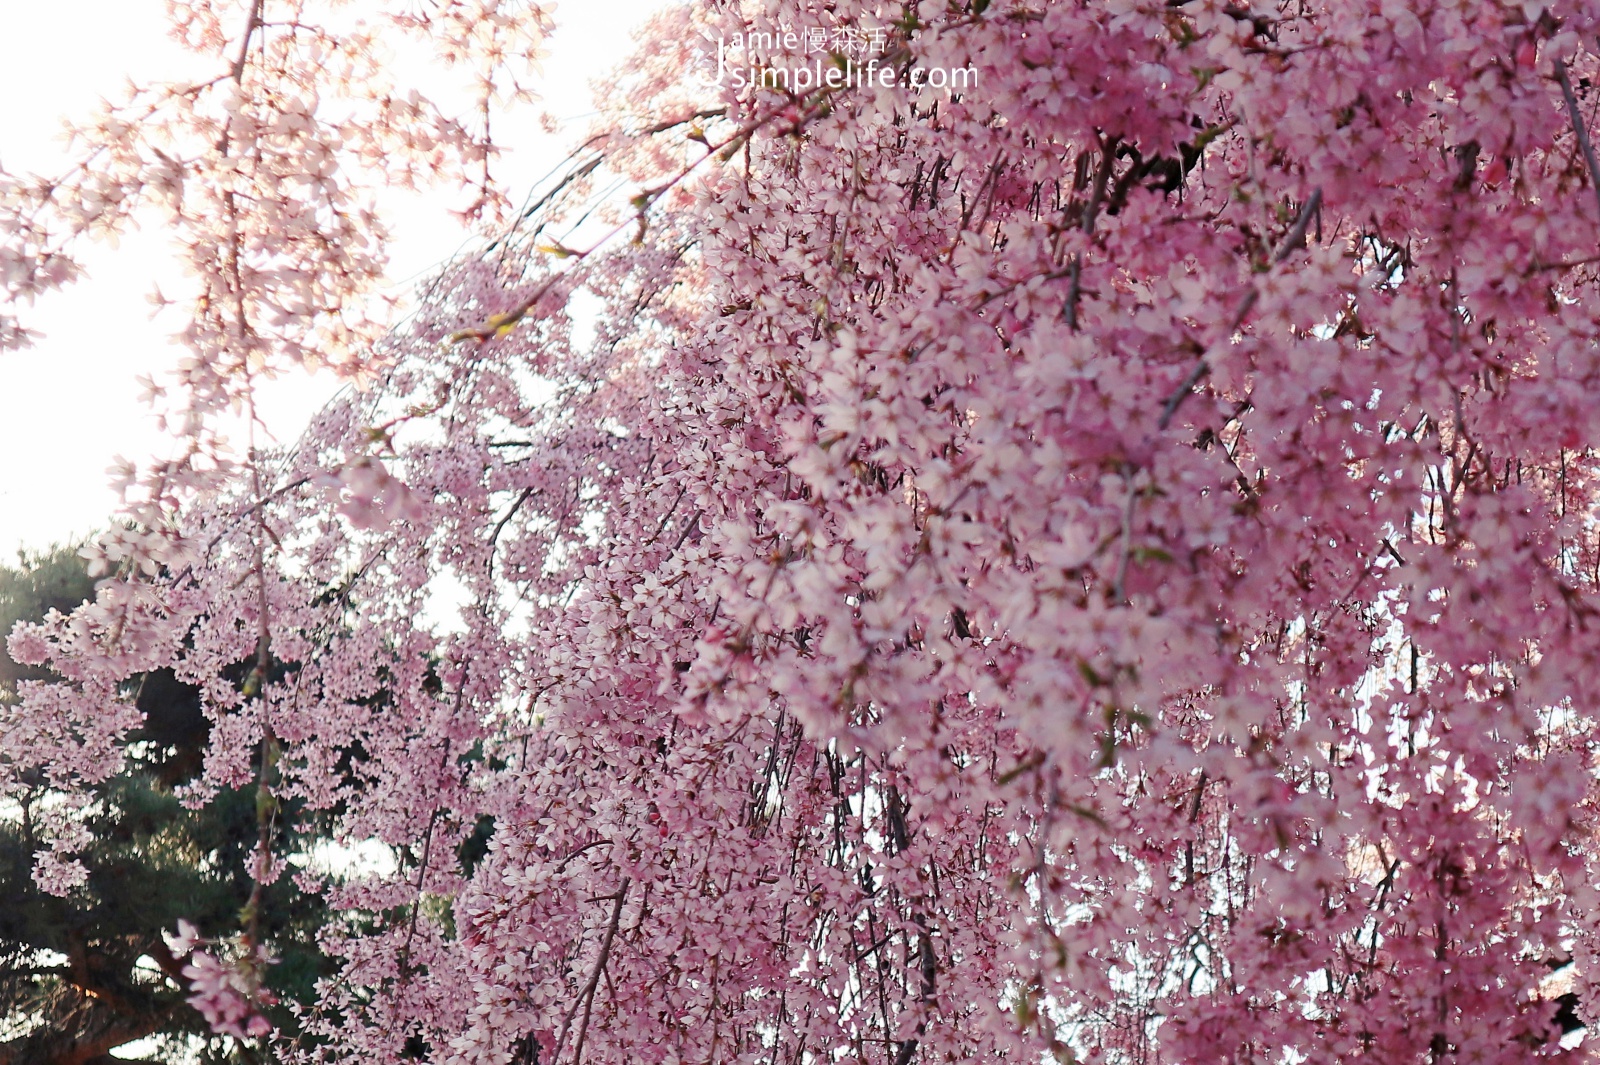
(253, 23)
(1201, 368)
(500, 324)
(1296, 236)
(494, 536)
(1090, 211)
(586, 996)
(1579, 128)
(1293, 239)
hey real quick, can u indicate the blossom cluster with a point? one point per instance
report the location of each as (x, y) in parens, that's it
(1101, 567)
(227, 993)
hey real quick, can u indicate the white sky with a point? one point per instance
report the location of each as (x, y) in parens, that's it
(69, 404)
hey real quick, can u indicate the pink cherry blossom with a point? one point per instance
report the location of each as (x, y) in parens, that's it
(1098, 565)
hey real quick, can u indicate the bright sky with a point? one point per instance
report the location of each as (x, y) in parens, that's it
(69, 404)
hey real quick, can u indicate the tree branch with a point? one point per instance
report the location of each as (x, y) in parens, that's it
(1294, 238)
(1579, 128)
(586, 996)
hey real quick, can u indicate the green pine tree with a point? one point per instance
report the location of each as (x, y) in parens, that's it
(83, 975)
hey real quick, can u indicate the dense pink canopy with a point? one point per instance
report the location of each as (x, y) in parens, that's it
(1096, 558)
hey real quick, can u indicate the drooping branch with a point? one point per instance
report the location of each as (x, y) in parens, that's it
(583, 1006)
(1294, 238)
(1579, 128)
